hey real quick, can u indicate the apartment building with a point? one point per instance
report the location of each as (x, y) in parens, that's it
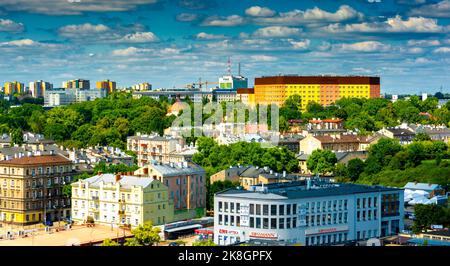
(307, 213)
(186, 183)
(31, 189)
(154, 148)
(108, 85)
(324, 90)
(337, 143)
(118, 199)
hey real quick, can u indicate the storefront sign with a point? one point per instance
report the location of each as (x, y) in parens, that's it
(326, 230)
(228, 232)
(263, 235)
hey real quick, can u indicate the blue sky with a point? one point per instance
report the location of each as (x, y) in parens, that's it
(174, 42)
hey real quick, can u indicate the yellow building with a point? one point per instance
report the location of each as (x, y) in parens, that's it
(108, 85)
(14, 87)
(116, 199)
(31, 189)
(324, 90)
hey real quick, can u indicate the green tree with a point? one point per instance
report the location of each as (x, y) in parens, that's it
(321, 161)
(426, 215)
(208, 242)
(355, 168)
(146, 235)
(17, 137)
(421, 137)
(109, 243)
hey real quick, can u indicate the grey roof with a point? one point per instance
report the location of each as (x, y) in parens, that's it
(401, 131)
(125, 181)
(421, 186)
(175, 169)
(300, 191)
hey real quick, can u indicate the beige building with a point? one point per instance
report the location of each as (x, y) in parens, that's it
(186, 183)
(117, 199)
(336, 143)
(31, 189)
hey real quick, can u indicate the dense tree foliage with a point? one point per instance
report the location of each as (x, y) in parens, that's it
(427, 215)
(105, 121)
(391, 164)
(214, 157)
(321, 161)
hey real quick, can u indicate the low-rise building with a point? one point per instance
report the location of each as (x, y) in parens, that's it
(307, 213)
(402, 133)
(57, 97)
(436, 133)
(325, 126)
(117, 199)
(432, 189)
(342, 157)
(186, 183)
(337, 143)
(154, 148)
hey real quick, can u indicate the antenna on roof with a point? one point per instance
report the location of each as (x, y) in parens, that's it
(229, 66)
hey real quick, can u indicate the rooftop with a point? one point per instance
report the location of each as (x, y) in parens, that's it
(125, 180)
(175, 169)
(36, 160)
(298, 191)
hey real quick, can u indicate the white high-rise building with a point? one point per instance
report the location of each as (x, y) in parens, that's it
(39, 87)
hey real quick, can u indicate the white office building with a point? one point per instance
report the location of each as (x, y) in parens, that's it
(59, 97)
(307, 214)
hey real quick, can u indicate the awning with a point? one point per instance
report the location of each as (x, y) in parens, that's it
(181, 228)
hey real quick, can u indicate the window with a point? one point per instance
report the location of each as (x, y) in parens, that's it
(273, 210)
(226, 207)
(220, 203)
(238, 207)
(288, 223)
(294, 209)
(265, 223)
(252, 208)
(231, 207)
(281, 210)
(281, 223)
(220, 218)
(258, 222)
(273, 223)
(265, 209)
(252, 222)
(226, 219)
(258, 209)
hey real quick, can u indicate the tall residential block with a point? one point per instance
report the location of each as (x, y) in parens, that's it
(31, 189)
(39, 87)
(77, 84)
(108, 85)
(13, 87)
(324, 90)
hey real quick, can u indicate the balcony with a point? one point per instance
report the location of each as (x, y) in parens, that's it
(121, 212)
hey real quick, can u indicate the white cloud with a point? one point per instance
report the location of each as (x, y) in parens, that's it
(170, 51)
(139, 37)
(300, 45)
(207, 36)
(440, 10)
(130, 51)
(257, 11)
(442, 50)
(367, 46)
(10, 26)
(424, 43)
(298, 17)
(71, 7)
(83, 30)
(230, 21)
(20, 43)
(395, 24)
(186, 17)
(264, 58)
(276, 32)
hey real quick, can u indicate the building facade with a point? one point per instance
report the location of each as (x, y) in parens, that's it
(11, 88)
(77, 84)
(38, 88)
(186, 183)
(108, 85)
(324, 90)
(298, 214)
(230, 82)
(336, 143)
(116, 199)
(59, 97)
(31, 189)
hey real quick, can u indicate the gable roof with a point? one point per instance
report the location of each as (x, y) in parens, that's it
(37, 160)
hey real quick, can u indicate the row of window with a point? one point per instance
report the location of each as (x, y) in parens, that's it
(327, 219)
(324, 206)
(367, 215)
(326, 239)
(275, 210)
(40, 170)
(366, 202)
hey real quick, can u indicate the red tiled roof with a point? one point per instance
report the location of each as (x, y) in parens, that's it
(34, 160)
(343, 139)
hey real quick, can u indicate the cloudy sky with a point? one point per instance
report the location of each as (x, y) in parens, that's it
(174, 42)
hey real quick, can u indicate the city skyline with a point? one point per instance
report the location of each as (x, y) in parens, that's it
(172, 43)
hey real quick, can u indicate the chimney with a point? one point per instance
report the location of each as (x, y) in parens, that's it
(118, 177)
